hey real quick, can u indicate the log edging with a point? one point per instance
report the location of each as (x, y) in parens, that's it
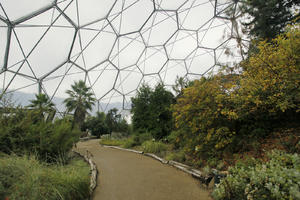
(93, 169)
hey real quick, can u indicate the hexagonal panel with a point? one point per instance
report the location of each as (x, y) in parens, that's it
(181, 44)
(168, 5)
(173, 69)
(214, 33)
(128, 80)
(44, 49)
(16, 53)
(129, 16)
(23, 68)
(151, 80)
(12, 82)
(159, 28)
(152, 60)
(200, 61)
(112, 96)
(127, 50)
(87, 11)
(102, 79)
(16, 9)
(53, 81)
(201, 10)
(94, 43)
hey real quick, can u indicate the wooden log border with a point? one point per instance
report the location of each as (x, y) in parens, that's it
(93, 169)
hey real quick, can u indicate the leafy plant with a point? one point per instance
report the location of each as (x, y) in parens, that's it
(278, 178)
(21, 133)
(151, 111)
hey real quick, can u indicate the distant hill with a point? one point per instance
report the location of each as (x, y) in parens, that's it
(23, 99)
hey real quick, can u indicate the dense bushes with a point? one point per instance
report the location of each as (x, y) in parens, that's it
(21, 133)
(151, 111)
(103, 124)
(279, 178)
(23, 178)
(222, 113)
(96, 124)
(204, 116)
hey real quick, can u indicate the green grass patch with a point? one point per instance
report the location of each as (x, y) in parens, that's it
(129, 143)
(154, 147)
(112, 142)
(26, 178)
(178, 156)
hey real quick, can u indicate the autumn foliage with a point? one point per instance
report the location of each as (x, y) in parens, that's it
(223, 112)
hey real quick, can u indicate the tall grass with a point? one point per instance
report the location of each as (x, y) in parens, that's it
(154, 147)
(26, 178)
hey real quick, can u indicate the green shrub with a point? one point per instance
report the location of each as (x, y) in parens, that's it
(154, 147)
(96, 124)
(144, 137)
(151, 110)
(21, 133)
(129, 143)
(279, 178)
(25, 178)
(137, 139)
(178, 156)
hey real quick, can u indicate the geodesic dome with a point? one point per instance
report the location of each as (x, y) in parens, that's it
(114, 45)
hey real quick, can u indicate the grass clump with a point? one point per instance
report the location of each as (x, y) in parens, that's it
(26, 177)
(154, 147)
(178, 156)
(112, 142)
(129, 143)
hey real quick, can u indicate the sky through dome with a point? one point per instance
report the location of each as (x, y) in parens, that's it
(114, 46)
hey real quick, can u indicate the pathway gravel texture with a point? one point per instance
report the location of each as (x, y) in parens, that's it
(129, 176)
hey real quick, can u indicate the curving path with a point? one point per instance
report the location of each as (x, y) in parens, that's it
(128, 176)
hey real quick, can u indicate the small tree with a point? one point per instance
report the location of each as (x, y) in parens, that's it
(140, 104)
(43, 106)
(80, 100)
(112, 119)
(269, 17)
(151, 110)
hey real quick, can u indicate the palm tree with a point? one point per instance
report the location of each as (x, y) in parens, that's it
(80, 101)
(43, 106)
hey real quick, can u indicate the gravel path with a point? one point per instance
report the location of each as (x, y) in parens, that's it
(129, 176)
